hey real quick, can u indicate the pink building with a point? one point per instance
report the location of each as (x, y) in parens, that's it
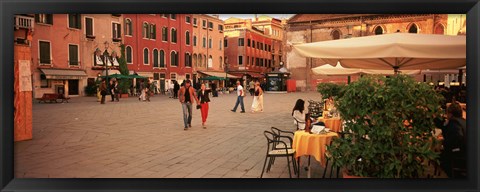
(56, 61)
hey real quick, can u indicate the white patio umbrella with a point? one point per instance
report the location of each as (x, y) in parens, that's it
(391, 51)
(340, 70)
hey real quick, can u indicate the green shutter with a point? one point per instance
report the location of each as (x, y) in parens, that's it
(44, 52)
(73, 54)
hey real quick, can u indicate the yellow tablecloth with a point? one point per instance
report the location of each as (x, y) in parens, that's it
(312, 144)
(334, 124)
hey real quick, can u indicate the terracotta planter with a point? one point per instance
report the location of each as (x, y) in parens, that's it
(124, 95)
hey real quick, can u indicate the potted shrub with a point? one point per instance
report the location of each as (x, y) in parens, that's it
(90, 90)
(388, 125)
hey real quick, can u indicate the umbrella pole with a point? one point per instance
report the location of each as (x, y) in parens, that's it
(395, 70)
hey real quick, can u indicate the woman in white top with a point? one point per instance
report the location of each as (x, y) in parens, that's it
(298, 115)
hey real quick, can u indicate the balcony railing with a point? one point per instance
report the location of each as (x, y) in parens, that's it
(24, 22)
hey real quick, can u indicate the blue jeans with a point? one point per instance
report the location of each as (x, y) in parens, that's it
(187, 113)
(239, 101)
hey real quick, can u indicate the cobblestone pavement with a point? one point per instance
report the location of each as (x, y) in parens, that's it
(134, 139)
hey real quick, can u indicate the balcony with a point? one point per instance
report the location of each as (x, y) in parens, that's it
(116, 39)
(24, 22)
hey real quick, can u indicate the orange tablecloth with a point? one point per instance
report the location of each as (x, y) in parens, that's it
(334, 124)
(312, 144)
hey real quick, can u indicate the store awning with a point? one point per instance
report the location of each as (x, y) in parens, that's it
(110, 72)
(145, 74)
(63, 74)
(219, 74)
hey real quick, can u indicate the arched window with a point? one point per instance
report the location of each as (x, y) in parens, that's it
(145, 32)
(204, 42)
(128, 27)
(145, 56)
(155, 58)
(210, 61)
(128, 53)
(200, 61)
(173, 58)
(336, 34)
(413, 28)
(204, 61)
(194, 40)
(164, 34)
(187, 38)
(210, 43)
(195, 63)
(378, 30)
(162, 58)
(188, 60)
(174, 35)
(440, 29)
(220, 61)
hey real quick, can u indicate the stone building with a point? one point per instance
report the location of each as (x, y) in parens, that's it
(207, 44)
(306, 28)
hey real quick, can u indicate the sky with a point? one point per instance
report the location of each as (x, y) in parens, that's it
(251, 16)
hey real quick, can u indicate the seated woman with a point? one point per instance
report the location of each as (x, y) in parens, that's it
(298, 115)
(454, 134)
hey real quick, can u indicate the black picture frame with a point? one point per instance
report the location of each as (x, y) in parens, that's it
(9, 8)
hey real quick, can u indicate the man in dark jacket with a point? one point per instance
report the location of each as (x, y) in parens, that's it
(176, 87)
(454, 138)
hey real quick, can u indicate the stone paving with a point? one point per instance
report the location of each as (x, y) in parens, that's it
(133, 139)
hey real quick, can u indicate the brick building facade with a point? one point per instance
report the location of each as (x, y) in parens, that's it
(306, 28)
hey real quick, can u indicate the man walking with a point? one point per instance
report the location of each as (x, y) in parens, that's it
(240, 94)
(187, 95)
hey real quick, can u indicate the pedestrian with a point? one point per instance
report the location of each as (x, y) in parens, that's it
(240, 95)
(116, 91)
(214, 90)
(103, 91)
(112, 91)
(454, 138)
(142, 91)
(204, 100)
(251, 87)
(170, 89)
(148, 91)
(176, 87)
(186, 96)
(257, 104)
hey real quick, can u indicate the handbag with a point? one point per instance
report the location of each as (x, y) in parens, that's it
(199, 106)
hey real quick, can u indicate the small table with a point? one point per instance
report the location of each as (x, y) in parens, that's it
(312, 144)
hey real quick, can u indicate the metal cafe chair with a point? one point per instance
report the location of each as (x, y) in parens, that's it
(272, 152)
(277, 132)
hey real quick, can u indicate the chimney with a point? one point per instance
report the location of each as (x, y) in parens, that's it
(216, 16)
(256, 18)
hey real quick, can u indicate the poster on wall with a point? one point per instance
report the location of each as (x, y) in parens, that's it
(25, 75)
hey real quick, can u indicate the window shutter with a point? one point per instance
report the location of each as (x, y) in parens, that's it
(45, 52)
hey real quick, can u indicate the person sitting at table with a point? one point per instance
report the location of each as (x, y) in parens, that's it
(454, 141)
(298, 115)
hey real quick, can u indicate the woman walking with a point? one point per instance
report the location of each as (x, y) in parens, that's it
(204, 100)
(257, 104)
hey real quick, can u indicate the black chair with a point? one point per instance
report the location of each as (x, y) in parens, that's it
(277, 132)
(272, 152)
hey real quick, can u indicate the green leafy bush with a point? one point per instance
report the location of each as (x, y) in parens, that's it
(388, 125)
(330, 90)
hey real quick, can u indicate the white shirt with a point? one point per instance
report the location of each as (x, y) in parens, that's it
(239, 90)
(171, 86)
(300, 117)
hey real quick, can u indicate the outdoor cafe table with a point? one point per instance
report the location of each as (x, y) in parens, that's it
(312, 144)
(334, 124)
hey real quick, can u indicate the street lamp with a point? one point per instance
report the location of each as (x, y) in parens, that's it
(226, 72)
(105, 58)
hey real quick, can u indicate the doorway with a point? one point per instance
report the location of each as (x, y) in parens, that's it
(72, 87)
